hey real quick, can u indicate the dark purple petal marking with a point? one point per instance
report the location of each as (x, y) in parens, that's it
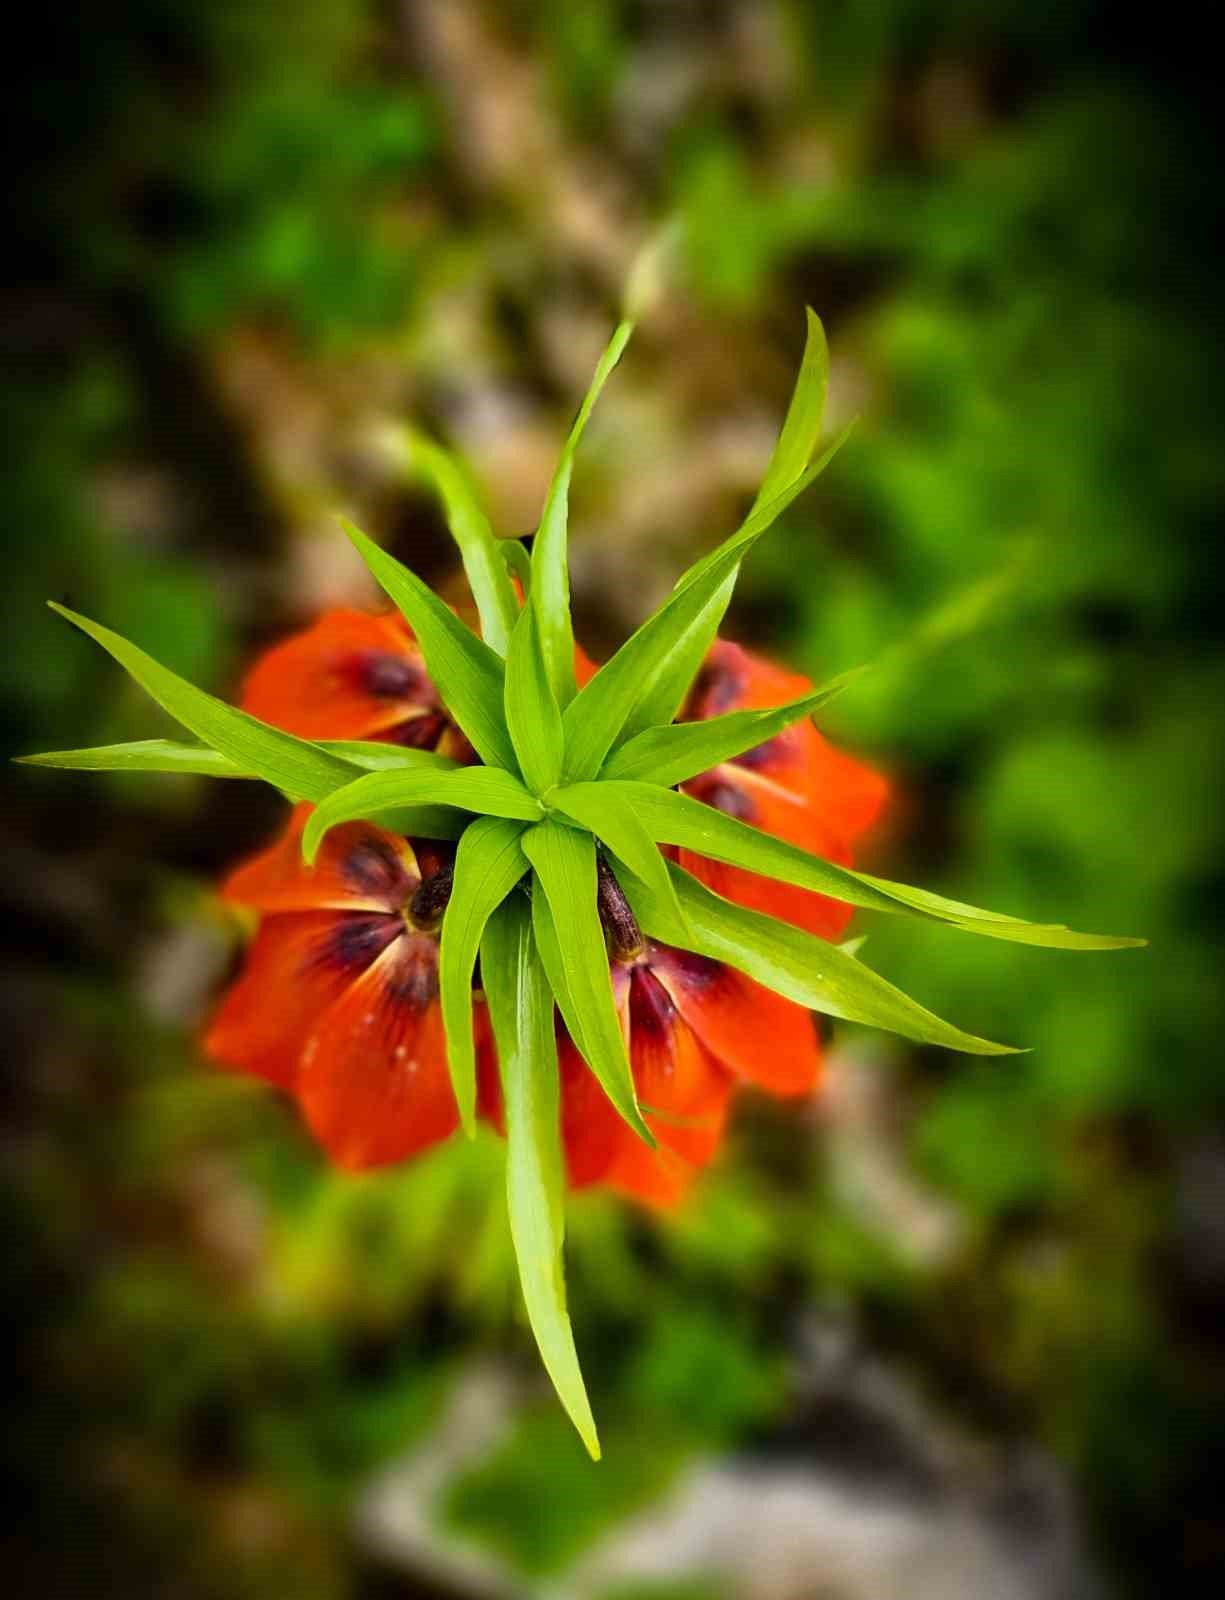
(651, 1009)
(391, 677)
(356, 941)
(726, 797)
(419, 733)
(716, 689)
(690, 970)
(413, 980)
(372, 868)
(764, 755)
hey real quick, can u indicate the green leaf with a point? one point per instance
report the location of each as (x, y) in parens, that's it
(483, 790)
(303, 770)
(646, 681)
(802, 424)
(143, 755)
(467, 673)
(571, 942)
(518, 562)
(550, 564)
(521, 1011)
(424, 822)
(679, 819)
(602, 811)
(479, 549)
(167, 755)
(531, 707)
(681, 750)
(488, 865)
(794, 963)
(375, 756)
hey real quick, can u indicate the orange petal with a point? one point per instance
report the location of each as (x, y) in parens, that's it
(752, 1031)
(296, 968)
(373, 1083)
(348, 676)
(684, 1094)
(359, 867)
(846, 795)
(584, 667)
(590, 1129)
(754, 800)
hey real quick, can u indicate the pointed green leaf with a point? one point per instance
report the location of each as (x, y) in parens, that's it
(518, 562)
(467, 673)
(679, 819)
(482, 790)
(794, 963)
(681, 750)
(550, 562)
(646, 681)
(168, 755)
(802, 424)
(374, 756)
(142, 755)
(531, 707)
(572, 947)
(302, 770)
(521, 1011)
(479, 549)
(488, 864)
(602, 811)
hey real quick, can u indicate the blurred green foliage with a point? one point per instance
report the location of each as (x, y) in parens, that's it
(1002, 212)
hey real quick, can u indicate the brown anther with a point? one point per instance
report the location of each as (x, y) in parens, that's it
(622, 934)
(427, 905)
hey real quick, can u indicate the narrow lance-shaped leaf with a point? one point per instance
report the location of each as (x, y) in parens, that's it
(531, 706)
(572, 947)
(665, 693)
(802, 425)
(681, 750)
(466, 672)
(518, 562)
(303, 770)
(488, 864)
(598, 808)
(801, 429)
(550, 562)
(646, 681)
(794, 963)
(678, 819)
(482, 790)
(142, 755)
(521, 1011)
(788, 461)
(167, 755)
(478, 547)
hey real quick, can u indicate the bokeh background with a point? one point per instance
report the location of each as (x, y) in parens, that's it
(955, 1330)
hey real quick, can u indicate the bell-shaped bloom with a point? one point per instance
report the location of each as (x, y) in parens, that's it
(796, 786)
(338, 1000)
(351, 675)
(695, 1031)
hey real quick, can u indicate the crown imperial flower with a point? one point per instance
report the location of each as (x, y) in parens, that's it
(583, 904)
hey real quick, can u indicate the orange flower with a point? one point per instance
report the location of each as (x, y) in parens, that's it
(338, 1002)
(351, 675)
(795, 786)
